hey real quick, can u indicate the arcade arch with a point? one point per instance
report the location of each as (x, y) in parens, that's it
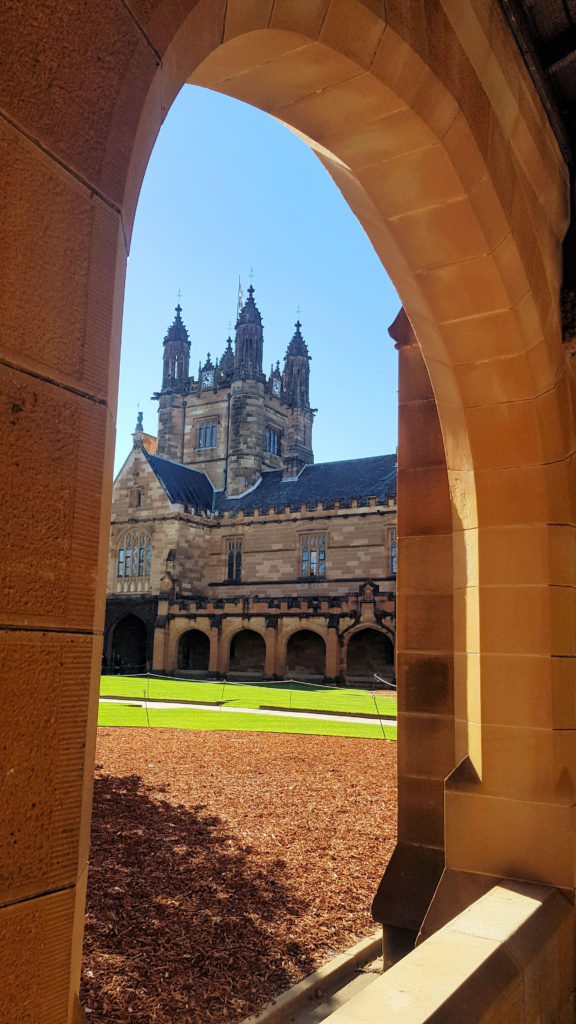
(193, 651)
(305, 655)
(247, 654)
(369, 652)
(129, 645)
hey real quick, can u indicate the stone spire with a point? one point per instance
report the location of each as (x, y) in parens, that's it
(296, 377)
(226, 364)
(137, 436)
(176, 354)
(249, 341)
(296, 393)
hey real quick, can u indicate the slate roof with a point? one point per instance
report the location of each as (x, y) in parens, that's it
(325, 481)
(183, 485)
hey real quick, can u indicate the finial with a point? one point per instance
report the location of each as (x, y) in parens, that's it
(251, 275)
(298, 311)
(139, 421)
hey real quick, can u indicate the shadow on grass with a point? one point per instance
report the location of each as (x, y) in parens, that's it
(181, 921)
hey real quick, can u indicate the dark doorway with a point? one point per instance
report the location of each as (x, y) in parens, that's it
(369, 652)
(306, 656)
(194, 651)
(129, 645)
(247, 655)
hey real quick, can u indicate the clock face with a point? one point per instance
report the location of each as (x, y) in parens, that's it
(208, 379)
(276, 386)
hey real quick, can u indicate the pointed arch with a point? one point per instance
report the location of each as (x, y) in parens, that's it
(130, 645)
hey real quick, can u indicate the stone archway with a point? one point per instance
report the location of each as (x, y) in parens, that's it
(306, 656)
(426, 118)
(193, 651)
(369, 652)
(247, 655)
(129, 646)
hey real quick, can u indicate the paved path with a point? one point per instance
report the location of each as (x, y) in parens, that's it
(334, 717)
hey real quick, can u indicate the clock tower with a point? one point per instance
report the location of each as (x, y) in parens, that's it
(231, 421)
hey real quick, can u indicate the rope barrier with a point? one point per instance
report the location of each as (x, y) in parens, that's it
(299, 684)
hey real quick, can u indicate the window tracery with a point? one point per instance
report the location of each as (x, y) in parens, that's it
(313, 556)
(134, 554)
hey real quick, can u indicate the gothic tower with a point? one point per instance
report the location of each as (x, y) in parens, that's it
(295, 386)
(247, 401)
(176, 354)
(172, 405)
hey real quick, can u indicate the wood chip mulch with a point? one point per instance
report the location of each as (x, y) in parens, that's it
(227, 866)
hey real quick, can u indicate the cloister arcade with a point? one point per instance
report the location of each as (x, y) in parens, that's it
(292, 652)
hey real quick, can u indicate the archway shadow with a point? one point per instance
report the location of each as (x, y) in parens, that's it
(178, 919)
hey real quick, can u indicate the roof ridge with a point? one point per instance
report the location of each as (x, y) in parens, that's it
(179, 465)
(341, 462)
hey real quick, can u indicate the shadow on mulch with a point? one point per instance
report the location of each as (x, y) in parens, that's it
(178, 918)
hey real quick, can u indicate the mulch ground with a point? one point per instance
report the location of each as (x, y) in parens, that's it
(227, 866)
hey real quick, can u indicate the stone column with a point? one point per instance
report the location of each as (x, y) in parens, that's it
(424, 652)
(214, 665)
(159, 655)
(271, 634)
(333, 649)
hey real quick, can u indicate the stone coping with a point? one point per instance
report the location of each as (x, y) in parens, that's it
(508, 958)
(325, 980)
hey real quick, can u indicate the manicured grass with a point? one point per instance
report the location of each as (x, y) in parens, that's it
(193, 718)
(278, 695)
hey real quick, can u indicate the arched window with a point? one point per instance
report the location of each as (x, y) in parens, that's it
(313, 556)
(134, 554)
(234, 565)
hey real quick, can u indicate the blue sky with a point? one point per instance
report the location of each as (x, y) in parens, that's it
(228, 189)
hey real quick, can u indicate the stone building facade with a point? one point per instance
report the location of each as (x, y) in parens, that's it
(233, 554)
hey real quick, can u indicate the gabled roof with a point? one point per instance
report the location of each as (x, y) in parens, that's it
(183, 485)
(325, 482)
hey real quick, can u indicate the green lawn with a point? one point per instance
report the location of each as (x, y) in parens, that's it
(277, 695)
(211, 719)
